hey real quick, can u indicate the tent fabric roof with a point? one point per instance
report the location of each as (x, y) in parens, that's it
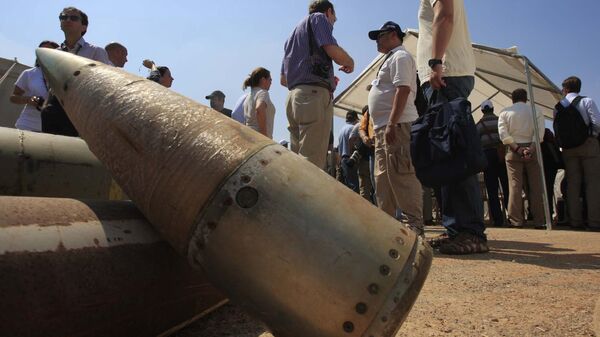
(498, 73)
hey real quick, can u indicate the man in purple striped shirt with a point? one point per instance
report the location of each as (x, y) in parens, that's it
(307, 71)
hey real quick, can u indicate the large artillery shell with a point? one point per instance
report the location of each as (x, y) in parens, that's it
(74, 268)
(43, 165)
(276, 234)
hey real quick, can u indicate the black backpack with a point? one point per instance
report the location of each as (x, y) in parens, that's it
(420, 100)
(569, 127)
(445, 146)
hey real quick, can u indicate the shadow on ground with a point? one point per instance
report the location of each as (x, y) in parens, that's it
(548, 255)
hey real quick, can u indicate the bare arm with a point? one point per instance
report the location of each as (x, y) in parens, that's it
(443, 25)
(18, 98)
(283, 81)
(261, 117)
(400, 99)
(340, 57)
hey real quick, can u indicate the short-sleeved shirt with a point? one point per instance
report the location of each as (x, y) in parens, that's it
(398, 70)
(31, 81)
(297, 62)
(343, 138)
(459, 59)
(238, 110)
(256, 97)
(84, 49)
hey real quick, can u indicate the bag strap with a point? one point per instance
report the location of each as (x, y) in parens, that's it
(575, 103)
(311, 38)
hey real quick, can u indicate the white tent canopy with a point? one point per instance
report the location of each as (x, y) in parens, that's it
(499, 72)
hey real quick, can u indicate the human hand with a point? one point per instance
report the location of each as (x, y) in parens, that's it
(390, 134)
(347, 69)
(437, 77)
(148, 63)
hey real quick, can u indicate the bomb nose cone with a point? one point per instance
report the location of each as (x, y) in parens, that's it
(275, 233)
(59, 66)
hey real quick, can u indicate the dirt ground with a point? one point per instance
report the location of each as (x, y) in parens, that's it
(532, 283)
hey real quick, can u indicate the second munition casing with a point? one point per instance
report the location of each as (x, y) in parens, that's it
(275, 233)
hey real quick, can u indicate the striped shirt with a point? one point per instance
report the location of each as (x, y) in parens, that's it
(84, 49)
(488, 131)
(297, 64)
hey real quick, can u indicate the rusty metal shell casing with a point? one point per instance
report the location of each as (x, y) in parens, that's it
(75, 268)
(43, 165)
(276, 234)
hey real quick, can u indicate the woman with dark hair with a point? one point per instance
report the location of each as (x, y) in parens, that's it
(258, 108)
(160, 74)
(32, 91)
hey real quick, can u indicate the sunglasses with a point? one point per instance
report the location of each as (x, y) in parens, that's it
(64, 17)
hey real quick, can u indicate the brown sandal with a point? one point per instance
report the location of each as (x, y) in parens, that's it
(439, 240)
(464, 244)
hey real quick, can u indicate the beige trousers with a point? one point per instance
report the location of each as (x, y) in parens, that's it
(310, 115)
(396, 184)
(516, 167)
(364, 179)
(582, 167)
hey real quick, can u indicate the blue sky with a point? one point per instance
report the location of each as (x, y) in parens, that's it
(214, 44)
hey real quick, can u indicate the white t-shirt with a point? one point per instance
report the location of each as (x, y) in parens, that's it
(32, 83)
(257, 96)
(458, 59)
(398, 70)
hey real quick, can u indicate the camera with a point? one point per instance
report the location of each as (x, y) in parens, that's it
(321, 70)
(353, 159)
(39, 101)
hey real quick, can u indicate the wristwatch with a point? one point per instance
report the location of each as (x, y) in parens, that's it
(434, 62)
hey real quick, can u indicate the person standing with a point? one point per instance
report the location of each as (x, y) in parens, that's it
(237, 112)
(117, 54)
(31, 90)
(517, 132)
(582, 163)
(495, 171)
(159, 74)
(445, 61)
(307, 72)
(391, 105)
(259, 111)
(217, 102)
(348, 165)
(74, 24)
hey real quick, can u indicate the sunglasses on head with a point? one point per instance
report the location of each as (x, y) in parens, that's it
(64, 17)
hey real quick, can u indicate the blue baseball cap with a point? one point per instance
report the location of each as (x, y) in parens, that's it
(387, 27)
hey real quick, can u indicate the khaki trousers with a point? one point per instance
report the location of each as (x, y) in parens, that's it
(582, 166)
(396, 185)
(516, 167)
(364, 179)
(310, 115)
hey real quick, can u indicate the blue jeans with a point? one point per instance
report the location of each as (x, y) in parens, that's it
(350, 175)
(462, 204)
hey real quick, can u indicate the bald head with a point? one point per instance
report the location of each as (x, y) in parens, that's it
(117, 54)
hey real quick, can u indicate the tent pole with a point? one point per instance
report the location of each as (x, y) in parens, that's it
(538, 148)
(8, 71)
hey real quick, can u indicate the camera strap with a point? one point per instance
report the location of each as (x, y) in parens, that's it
(312, 43)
